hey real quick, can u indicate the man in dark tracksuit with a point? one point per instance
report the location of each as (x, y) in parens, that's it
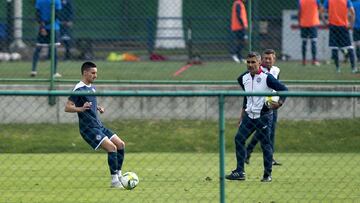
(256, 115)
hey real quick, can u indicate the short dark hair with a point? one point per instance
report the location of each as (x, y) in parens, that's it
(270, 51)
(254, 54)
(87, 65)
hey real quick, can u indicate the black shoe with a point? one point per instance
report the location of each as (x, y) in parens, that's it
(275, 163)
(266, 179)
(235, 175)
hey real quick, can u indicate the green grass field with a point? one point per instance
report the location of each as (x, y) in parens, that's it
(223, 70)
(178, 161)
(327, 136)
(177, 177)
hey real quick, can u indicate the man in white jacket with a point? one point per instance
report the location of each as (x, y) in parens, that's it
(268, 61)
(256, 115)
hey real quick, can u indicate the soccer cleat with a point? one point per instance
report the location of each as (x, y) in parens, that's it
(338, 70)
(275, 163)
(33, 73)
(355, 70)
(236, 59)
(116, 184)
(57, 75)
(235, 175)
(316, 63)
(266, 178)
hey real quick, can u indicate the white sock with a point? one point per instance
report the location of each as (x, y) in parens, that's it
(114, 178)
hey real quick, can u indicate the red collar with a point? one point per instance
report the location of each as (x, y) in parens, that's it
(259, 71)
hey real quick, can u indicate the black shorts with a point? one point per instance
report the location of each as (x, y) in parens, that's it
(45, 40)
(95, 136)
(240, 35)
(309, 32)
(339, 37)
(356, 34)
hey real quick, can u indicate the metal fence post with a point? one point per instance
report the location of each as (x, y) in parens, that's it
(52, 44)
(222, 147)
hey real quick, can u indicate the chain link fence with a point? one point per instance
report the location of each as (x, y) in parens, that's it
(145, 32)
(172, 143)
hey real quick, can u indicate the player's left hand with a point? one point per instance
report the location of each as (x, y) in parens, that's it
(274, 105)
(100, 109)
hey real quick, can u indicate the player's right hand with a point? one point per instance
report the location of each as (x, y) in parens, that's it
(43, 31)
(87, 106)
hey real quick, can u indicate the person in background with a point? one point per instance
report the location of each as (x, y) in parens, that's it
(268, 61)
(255, 116)
(239, 25)
(66, 18)
(91, 128)
(356, 29)
(341, 17)
(43, 17)
(309, 20)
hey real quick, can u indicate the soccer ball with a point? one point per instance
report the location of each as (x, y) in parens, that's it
(129, 180)
(270, 100)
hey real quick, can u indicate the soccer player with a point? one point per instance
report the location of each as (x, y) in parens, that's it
(268, 61)
(43, 16)
(356, 30)
(308, 17)
(66, 17)
(239, 25)
(91, 128)
(255, 115)
(341, 16)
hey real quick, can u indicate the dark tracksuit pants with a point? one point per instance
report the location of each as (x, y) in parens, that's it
(247, 126)
(255, 140)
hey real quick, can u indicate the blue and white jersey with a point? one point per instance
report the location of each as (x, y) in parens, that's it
(44, 8)
(356, 4)
(89, 118)
(261, 82)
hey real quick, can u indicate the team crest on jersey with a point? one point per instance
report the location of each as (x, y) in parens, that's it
(258, 80)
(98, 137)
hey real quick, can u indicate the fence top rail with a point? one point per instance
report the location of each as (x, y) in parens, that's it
(185, 82)
(151, 93)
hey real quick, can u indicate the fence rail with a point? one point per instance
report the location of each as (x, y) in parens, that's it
(225, 190)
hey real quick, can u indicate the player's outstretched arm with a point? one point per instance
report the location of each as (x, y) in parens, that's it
(101, 109)
(71, 108)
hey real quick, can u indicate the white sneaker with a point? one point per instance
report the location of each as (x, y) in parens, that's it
(57, 75)
(33, 73)
(236, 59)
(116, 184)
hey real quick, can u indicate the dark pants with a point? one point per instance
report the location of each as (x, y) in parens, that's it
(66, 38)
(247, 126)
(238, 42)
(255, 140)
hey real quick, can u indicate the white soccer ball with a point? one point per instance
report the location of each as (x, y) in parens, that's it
(129, 180)
(4, 56)
(270, 100)
(15, 56)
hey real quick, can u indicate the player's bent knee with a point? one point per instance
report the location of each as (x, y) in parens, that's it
(118, 142)
(109, 146)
